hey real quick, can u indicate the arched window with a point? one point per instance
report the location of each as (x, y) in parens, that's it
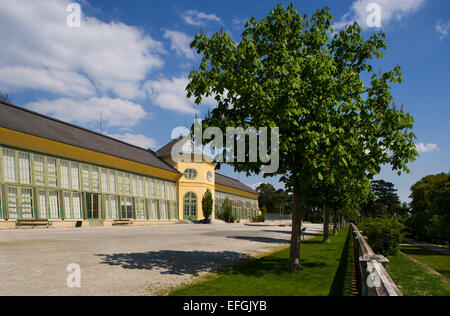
(190, 206)
(190, 173)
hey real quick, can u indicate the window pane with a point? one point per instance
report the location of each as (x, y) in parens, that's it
(24, 168)
(9, 165)
(13, 203)
(77, 206)
(68, 205)
(42, 200)
(27, 203)
(75, 176)
(86, 178)
(112, 181)
(53, 204)
(51, 172)
(105, 182)
(95, 179)
(39, 170)
(64, 166)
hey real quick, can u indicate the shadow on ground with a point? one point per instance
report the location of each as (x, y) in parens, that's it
(173, 262)
(267, 240)
(318, 233)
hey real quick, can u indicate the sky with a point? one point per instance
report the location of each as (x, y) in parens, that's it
(123, 69)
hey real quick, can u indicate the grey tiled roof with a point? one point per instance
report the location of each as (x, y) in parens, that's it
(230, 182)
(22, 120)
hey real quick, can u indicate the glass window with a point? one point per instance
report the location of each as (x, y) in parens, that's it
(153, 209)
(127, 184)
(9, 165)
(39, 170)
(42, 204)
(51, 172)
(95, 179)
(120, 182)
(163, 212)
(139, 208)
(75, 176)
(126, 207)
(190, 204)
(86, 178)
(134, 185)
(112, 181)
(24, 168)
(53, 204)
(190, 173)
(13, 202)
(105, 182)
(20, 203)
(65, 174)
(76, 198)
(92, 205)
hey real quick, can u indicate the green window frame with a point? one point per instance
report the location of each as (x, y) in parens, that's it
(20, 202)
(190, 205)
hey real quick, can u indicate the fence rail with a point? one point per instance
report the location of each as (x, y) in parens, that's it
(374, 279)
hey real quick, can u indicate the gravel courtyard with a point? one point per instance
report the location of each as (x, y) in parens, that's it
(128, 260)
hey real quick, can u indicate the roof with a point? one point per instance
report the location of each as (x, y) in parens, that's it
(166, 151)
(233, 183)
(19, 119)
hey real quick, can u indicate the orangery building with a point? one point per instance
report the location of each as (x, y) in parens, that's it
(55, 174)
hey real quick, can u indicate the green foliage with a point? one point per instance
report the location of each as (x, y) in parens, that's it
(259, 219)
(227, 214)
(430, 209)
(207, 204)
(383, 234)
(276, 201)
(264, 212)
(383, 201)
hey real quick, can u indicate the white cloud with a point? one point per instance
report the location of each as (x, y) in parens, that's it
(442, 28)
(180, 42)
(114, 112)
(136, 139)
(426, 148)
(170, 94)
(43, 53)
(197, 18)
(390, 10)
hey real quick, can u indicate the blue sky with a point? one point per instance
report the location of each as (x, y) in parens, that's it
(128, 63)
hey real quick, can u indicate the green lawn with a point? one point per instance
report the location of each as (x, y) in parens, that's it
(324, 273)
(413, 280)
(435, 260)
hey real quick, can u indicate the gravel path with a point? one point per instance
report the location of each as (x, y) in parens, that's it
(127, 260)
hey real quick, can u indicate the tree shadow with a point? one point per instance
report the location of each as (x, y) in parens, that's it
(342, 283)
(289, 232)
(267, 240)
(173, 262)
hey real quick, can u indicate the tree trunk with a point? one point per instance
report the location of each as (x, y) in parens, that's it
(335, 223)
(296, 228)
(325, 223)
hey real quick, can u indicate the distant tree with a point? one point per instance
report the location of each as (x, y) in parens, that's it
(207, 204)
(430, 209)
(383, 201)
(5, 97)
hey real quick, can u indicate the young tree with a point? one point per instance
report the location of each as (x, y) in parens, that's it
(287, 72)
(207, 204)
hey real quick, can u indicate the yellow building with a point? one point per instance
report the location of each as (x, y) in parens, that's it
(56, 174)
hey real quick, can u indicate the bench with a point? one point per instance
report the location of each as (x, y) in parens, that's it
(121, 222)
(32, 223)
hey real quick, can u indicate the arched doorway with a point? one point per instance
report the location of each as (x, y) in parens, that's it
(190, 206)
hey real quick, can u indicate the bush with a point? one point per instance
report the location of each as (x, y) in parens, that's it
(207, 204)
(258, 219)
(384, 234)
(227, 214)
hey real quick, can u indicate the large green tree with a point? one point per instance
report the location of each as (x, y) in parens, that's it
(296, 73)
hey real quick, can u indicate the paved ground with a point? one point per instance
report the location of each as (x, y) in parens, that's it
(443, 250)
(127, 260)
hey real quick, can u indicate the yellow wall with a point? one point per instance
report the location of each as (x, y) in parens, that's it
(199, 185)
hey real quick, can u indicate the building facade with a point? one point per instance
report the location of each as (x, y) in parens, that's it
(60, 175)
